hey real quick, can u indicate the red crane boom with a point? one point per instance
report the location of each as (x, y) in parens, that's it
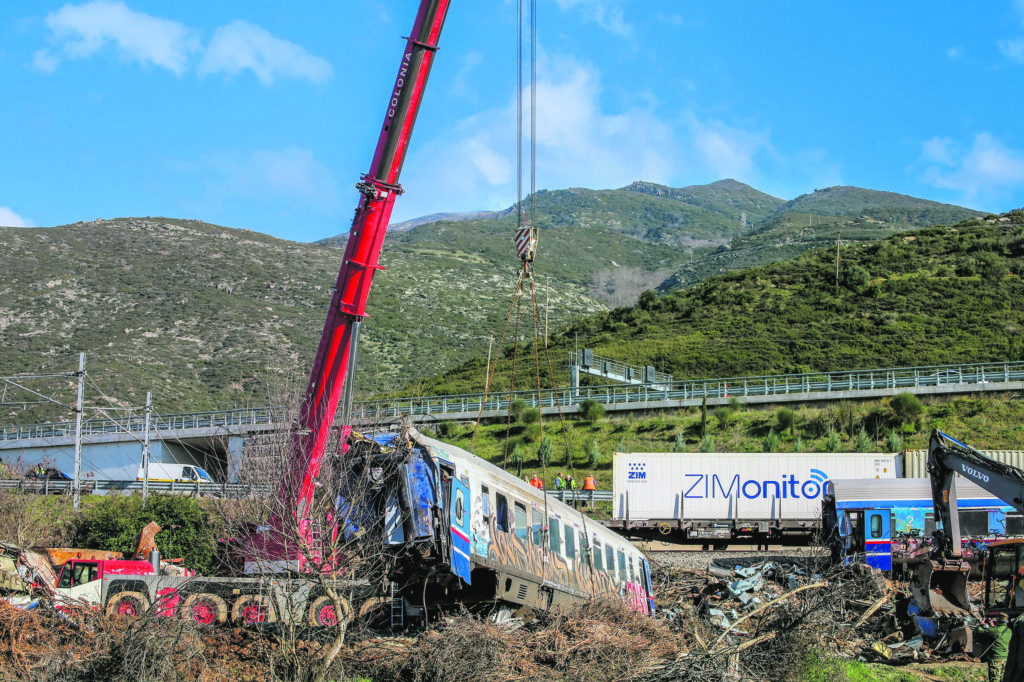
(378, 189)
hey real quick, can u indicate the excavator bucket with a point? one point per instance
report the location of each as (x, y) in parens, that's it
(937, 589)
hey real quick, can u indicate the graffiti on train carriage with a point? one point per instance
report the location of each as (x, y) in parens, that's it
(530, 550)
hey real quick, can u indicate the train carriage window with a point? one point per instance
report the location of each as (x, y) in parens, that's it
(538, 527)
(1014, 524)
(609, 555)
(632, 569)
(622, 565)
(555, 536)
(598, 559)
(584, 546)
(973, 522)
(570, 542)
(501, 512)
(485, 502)
(876, 526)
(522, 529)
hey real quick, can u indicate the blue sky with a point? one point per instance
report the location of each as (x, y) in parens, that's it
(263, 115)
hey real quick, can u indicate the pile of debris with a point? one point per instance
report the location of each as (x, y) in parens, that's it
(855, 612)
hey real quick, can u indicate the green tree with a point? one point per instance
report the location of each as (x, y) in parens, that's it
(894, 442)
(786, 419)
(114, 524)
(703, 417)
(679, 443)
(516, 409)
(771, 441)
(593, 453)
(861, 443)
(545, 451)
(833, 442)
(707, 444)
(723, 415)
(591, 410)
(530, 415)
(798, 444)
(517, 459)
(907, 407)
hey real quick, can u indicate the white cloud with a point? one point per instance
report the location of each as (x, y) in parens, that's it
(241, 45)
(987, 168)
(79, 31)
(605, 13)
(728, 151)
(9, 218)
(1012, 49)
(939, 150)
(578, 145)
(955, 53)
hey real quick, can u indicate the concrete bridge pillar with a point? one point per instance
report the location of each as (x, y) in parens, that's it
(234, 457)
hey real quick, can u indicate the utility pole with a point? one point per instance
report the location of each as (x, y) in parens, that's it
(838, 236)
(487, 369)
(145, 451)
(78, 432)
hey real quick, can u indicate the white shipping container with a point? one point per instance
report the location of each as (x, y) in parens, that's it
(915, 462)
(724, 486)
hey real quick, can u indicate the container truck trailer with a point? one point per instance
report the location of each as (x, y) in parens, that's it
(716, 498)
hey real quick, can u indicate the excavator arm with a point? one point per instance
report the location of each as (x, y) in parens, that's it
(947, 457)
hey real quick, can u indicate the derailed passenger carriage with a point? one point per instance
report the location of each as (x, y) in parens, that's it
(469, 533)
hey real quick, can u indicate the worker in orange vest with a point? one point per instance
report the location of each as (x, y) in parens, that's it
(536, 482)
(589, 483)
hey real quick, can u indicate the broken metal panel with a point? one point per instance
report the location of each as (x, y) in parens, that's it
(423, 493)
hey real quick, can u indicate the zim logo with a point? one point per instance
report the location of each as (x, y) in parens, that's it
(637, 471)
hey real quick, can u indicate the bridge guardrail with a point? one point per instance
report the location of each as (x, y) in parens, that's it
(59, 487)
(918, 379)
(233, 490)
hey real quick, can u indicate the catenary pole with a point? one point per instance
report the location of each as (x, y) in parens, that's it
(78, 432)
(145, 450)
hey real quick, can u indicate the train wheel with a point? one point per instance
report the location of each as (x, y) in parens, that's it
(253, 609)
(129, 604)
(322, 613)
(205, 609)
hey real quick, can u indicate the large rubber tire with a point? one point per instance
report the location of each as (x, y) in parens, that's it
(375, 611)
(127, 604)
(253, 610)
(322, 613)
(204, 609)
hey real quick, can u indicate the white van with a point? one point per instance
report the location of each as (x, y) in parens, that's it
(161, 471)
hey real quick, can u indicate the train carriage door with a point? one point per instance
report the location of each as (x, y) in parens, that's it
(460, 519)
(647, 586)
(878, 538)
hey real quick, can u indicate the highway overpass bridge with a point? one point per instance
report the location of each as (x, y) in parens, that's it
(112, 448)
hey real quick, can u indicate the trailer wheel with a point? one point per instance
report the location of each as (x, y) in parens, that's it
(205, 609)
(129, 604)
(253, 609)
(664, 528)
(373, 610)
(720, 546)
(322, 613)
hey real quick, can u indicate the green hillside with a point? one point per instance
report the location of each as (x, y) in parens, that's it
(811, 221)
(933, 296)
(206, 316)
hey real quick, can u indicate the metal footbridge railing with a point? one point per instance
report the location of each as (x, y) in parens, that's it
(939, 379)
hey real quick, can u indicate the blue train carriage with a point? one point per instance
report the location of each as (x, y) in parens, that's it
(480, 536)
(886, 522)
